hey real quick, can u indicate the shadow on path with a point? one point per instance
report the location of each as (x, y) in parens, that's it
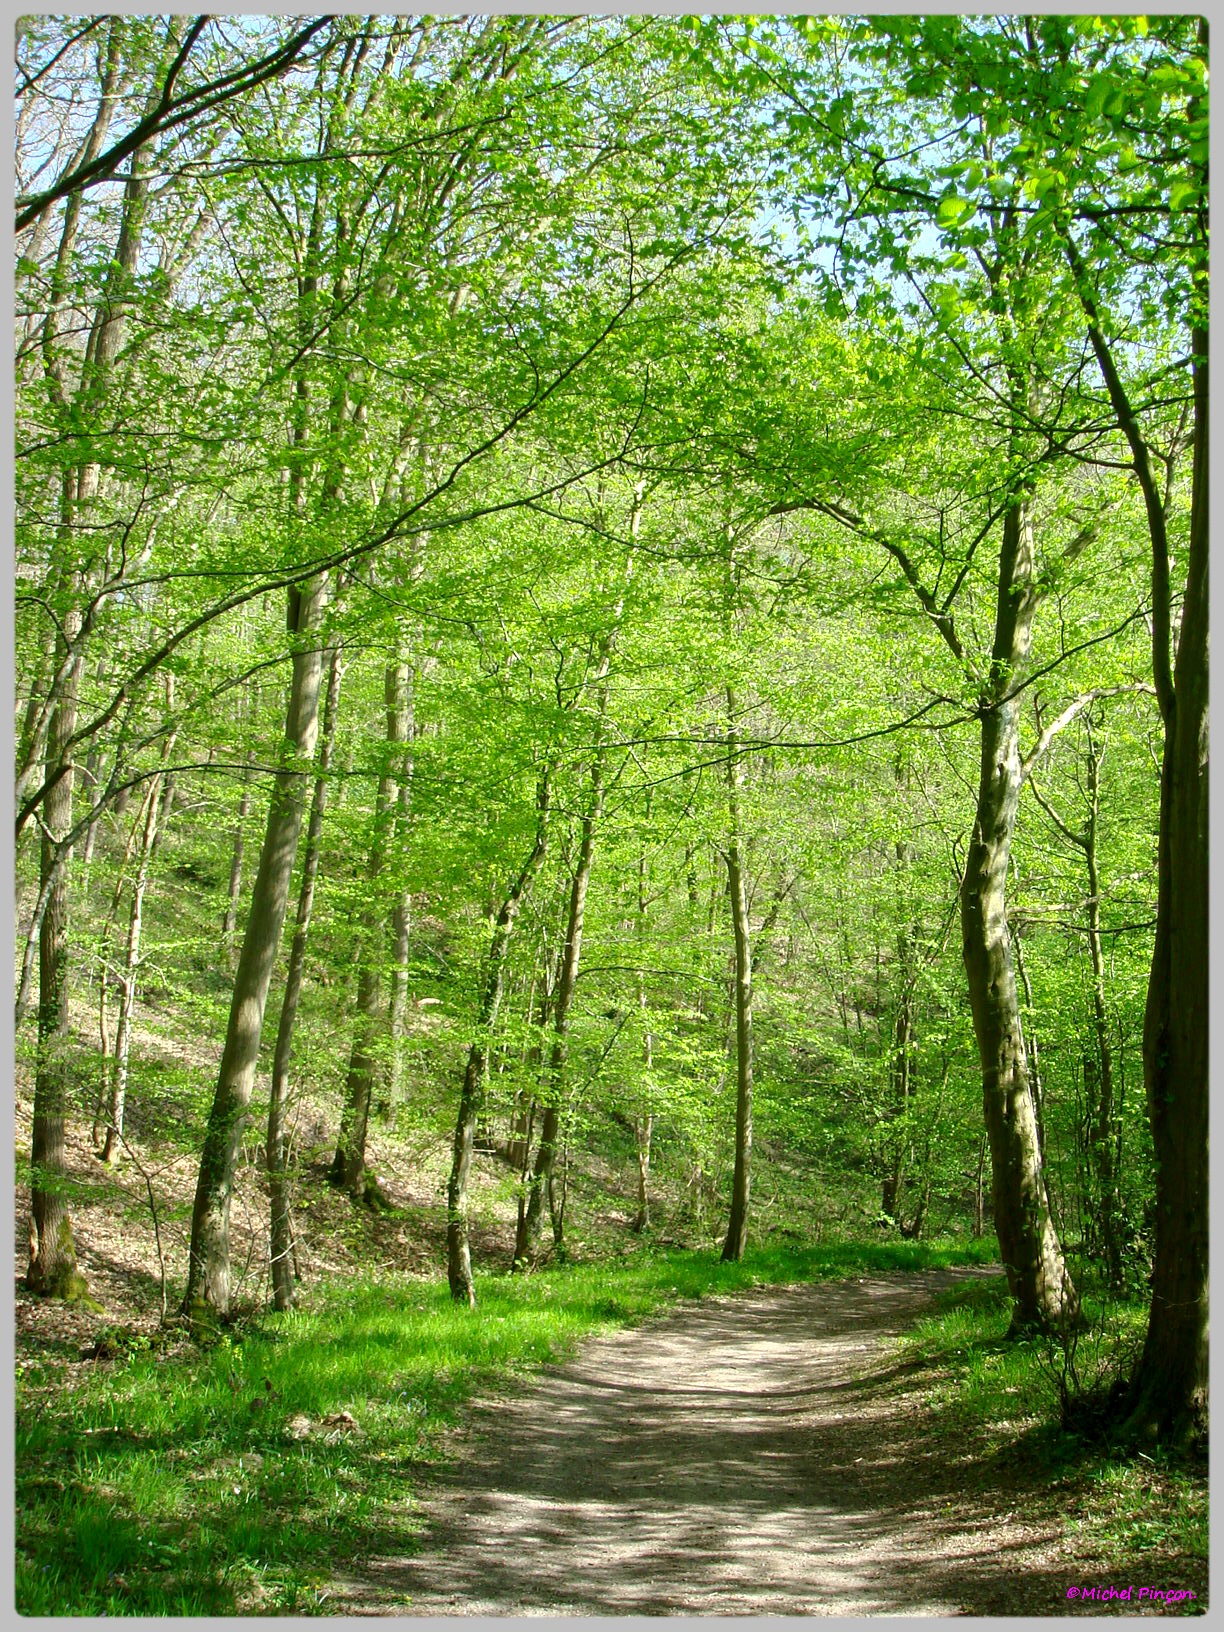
(746, 1455)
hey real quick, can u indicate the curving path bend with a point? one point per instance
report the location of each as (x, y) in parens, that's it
(746, 1455)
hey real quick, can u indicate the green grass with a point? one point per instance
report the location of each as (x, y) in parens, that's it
(1132, 1514)
(172, 1483)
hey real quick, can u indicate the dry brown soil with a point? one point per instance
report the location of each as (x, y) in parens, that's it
(759, 1454)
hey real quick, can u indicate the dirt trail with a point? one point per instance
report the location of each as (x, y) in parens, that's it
(748, 1455)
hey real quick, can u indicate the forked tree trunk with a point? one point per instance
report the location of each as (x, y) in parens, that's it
(1040, 1284)
(208, 1271)
(281, 1234)
(741, 1182)
(471, 1095)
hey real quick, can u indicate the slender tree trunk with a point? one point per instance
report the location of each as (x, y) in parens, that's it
(400, 729)
(52, 1270)
(530, 1217)
(1040, 1284)
(157, 813)
(208, 1275)
(1103, 1111)
(642, 1124)
(365, 1061)
(902, 1063)
(471, 1095)
(278, 1178)
(741, 1181)
(229, 922)
(979, 1197)
(527, 1234)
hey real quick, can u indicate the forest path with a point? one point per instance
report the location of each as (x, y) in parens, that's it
(754, 1454)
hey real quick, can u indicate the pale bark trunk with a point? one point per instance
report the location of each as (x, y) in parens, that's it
(471, 1095)
(741, 1182)
(642, 1126)
(208, 1275)
(1040, 1284)
(281, 1232)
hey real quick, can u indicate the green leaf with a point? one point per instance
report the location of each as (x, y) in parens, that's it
(954, 211)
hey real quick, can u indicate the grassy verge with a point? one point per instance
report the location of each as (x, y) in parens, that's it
(1139, 1519)
(235, 1479)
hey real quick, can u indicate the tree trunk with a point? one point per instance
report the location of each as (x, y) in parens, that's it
(471, 1095)
(979, 1198)
(528, 1231)
(1040, 1284)
(278, 1178)
(1103, 1112)
(741, 1181)
(1030, 1043)
(642, 1124)
(1168, 1393)
(208, 1274)
(229, 922)
(890, 1198)
(157, 811)
(365, 1061)
(52, 1270)
(400, 729)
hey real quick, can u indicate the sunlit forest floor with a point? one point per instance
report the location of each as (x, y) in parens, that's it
(268, 1468)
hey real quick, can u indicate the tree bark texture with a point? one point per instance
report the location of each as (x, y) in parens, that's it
(208, 1274)
(1041, 1287)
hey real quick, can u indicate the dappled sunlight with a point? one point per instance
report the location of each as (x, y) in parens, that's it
(749, 1455)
